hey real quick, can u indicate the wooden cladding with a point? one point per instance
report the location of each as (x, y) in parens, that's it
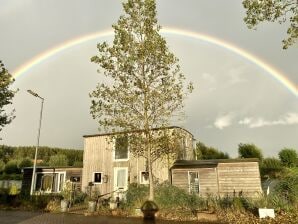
(224, 179)
(99, 157)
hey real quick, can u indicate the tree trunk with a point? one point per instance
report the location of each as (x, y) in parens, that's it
(151, 184)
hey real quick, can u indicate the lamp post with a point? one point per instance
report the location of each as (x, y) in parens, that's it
(37, 144)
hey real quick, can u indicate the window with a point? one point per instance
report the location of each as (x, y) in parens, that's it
(144, 177)
(97, 177)
(194, 185)
(75, 179)
(121, 148)
(49, 182)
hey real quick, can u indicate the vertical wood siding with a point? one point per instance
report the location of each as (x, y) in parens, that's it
(98, 157)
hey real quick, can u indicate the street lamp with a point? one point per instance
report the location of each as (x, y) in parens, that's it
(37, 144)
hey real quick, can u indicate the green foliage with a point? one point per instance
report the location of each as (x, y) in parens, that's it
(78, 164)
(169, 197)
(79, 197)
(58, 160)
(11, 167)
(6, 153)
(25, 163)
(44, 153)
(40, 202)
(136, 195)
(6, 95)
(272, 11)
(2, 166)
(66, 190)
(271, 167)
(287, 188)
(249, 151)
(13, 176)
(288, 157)
(205, 152)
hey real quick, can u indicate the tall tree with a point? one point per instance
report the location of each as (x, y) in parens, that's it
(6, 95)
(288, 157)
(144, 87)
(272, 11)
(249, 151)
(205, 152)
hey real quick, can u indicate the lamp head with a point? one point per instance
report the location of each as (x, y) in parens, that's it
(32, 93)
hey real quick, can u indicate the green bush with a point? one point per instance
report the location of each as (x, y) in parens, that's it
(287, 188)
(271, 167)
(13, 176)
(136, 195)
(171, 197)
(79, 197)
(25, 163)
(40, 202)
(11, 167)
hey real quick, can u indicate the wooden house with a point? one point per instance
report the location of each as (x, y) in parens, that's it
(51, 179)
(108, 166)
(221, 177)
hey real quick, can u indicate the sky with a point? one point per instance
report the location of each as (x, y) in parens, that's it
(236, 99)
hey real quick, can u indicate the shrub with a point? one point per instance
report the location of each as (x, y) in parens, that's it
(171, 197)
(79, 197)
(271, 167)
(136, 195)
(11, 167)
(25, 163)
(287, 188)
(40, 202)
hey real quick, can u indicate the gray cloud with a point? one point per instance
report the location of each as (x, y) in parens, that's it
(287, 119)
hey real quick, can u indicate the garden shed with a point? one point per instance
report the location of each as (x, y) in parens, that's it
(220, 177)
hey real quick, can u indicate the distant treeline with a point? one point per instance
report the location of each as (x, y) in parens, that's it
(46, 155)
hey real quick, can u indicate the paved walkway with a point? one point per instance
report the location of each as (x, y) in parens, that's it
(24, 217)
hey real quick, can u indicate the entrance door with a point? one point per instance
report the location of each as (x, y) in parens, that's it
(120, 180)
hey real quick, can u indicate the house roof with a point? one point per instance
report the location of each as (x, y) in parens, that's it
(51, 167)
(140, 130)
(208, 163)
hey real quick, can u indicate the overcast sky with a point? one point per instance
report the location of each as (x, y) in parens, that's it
(235, 101)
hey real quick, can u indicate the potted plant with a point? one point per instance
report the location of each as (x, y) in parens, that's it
(92, 200)
(149, 208)
(66, 195)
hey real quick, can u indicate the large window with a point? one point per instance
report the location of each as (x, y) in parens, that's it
(49, 182)
(121, 148)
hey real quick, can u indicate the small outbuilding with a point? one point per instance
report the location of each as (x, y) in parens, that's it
(220, 177)
(51, 179)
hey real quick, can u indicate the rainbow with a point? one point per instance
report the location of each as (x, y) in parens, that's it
(281, 78)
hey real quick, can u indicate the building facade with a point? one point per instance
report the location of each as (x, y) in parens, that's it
(109, 165)
(232, 177)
